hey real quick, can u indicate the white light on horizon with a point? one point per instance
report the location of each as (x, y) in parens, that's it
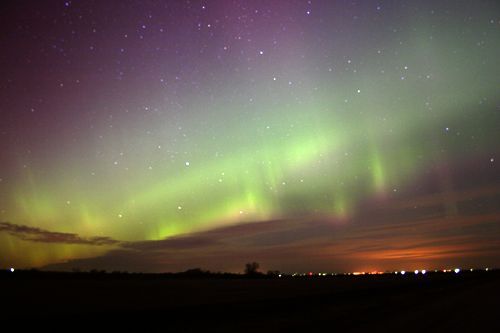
(424, 271)
(416, 271)
(403, 272)
(457, 270)
(12, 269)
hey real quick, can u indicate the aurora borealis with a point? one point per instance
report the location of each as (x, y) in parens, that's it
(306, 135)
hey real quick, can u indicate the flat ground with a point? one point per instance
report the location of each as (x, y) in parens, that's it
(434, 302)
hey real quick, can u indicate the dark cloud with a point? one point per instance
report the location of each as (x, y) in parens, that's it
(175, 243)
(323, 244)
(44, 236)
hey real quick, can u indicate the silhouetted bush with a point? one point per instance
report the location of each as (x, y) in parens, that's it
(273, 273)
(195, 272)
(96, 271)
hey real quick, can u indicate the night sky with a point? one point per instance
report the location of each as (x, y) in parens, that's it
(305, 135)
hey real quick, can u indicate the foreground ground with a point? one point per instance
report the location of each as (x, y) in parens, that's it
(434, 302)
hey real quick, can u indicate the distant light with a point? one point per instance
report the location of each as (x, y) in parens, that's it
(416, 271)
(403, 272)
(487, 269)
(279, 275)
(187, 163)
(457, 270)
(396, 272)
(12, 269)
(179, 207)
(424, 271)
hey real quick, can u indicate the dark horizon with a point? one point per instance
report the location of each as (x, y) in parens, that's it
(441, 302)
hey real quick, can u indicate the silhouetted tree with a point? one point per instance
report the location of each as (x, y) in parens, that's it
(251, 268)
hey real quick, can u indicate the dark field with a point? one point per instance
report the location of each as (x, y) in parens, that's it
(468, 301)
